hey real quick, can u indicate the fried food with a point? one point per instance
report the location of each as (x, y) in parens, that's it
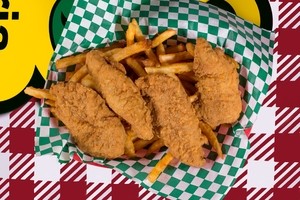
(175, 118)
(218, 80)
(95, 129)
(120, 93)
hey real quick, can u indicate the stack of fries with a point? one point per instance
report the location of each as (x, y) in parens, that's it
(141, 56)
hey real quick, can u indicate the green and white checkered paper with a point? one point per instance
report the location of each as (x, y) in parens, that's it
(94, 23)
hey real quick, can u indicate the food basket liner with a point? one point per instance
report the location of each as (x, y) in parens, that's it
(93, 23)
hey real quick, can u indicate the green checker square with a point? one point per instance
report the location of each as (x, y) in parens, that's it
(257, 35)
(188, 178)
(106, 24)
(53, 132)
(123, 166)
(63, 50)
(219, 179)
(223, 24)
(176, 192)
(182, 32)
(202, 173)
(216, 167)
(183, 5)
(88, 15)
(212, 154)
(192, 11)
(229, 160)
(61, 76)
(111, 8)
(82, 4)
(141, 175)
(236, 142)
(172, 23)
(126, 12)
(208, 194)
(144, 13)
(71, 35)
(203, 19)
(249, 111)
(249, 46)
(256, 59)
(75, 45)
(205, 184)
(243, 81)
(222, 189)
(45, 121)
(213, 30)
(44, 141)
(56, 143)
(256, 108)
(233, 171)
(173, 182)
(221, 137)
(251, 77)
(170, 170)
(238, 48)
(256, 93)
(173, 9)
(191, 189)
(225, 148)
(213, 15)
(138, 166)
(164, 3)
(241, 153)
(157, 185)
(82, 31)
(265, 58)
(99, 12)
(265, 89)
(154, 8)
(76, 19)
(163, 15)
(183, 16)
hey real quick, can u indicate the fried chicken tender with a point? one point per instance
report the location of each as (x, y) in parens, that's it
(175, 118)
(218, 80)
(120, 93)
(95, 129)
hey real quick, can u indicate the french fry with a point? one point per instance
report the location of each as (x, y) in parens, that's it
(38, 93)
(135, 66)
(148, 63)
(70, 60)
(190, 48)
(111, 52)
(50, 102)
(159, 167)
(88, 81)
(176, 48)
(175, 57)
(151, 55)
(175, 68)
(155, 146)
(212, 138)
(129, 147)
(130, 33)
(131, 50)
(138, 32)
(140, 144)
(163, 37)
(160, 49)
(79, 74)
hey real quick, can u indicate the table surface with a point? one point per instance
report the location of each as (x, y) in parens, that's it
(272, 170)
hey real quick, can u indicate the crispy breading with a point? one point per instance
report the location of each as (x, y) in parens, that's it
(121, 94)
(175, 118)
(218, 81)
(95, 129)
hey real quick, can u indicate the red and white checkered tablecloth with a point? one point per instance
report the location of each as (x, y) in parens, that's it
(272, 170)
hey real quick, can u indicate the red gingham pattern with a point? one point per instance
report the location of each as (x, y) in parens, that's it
(19, 175)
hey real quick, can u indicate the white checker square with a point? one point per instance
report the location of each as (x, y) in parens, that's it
(4, 120)
(46, 168)
(96, 174)
(265, 122)
(108, 16)
(185, 195)
(260, 174)
(4, 165)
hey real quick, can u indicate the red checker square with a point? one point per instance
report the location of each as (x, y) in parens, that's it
(21, 140)
(285, 147)
(73, 190)
(286, 41)
(286, 193)
(125, 191)
(287, 95)
(236, 194)
(21, 189)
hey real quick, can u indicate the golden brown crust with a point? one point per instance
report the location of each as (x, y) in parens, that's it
(94, 127)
